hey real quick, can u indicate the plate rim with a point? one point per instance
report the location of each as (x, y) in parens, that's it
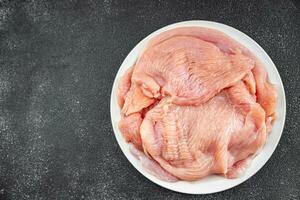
(199, 23)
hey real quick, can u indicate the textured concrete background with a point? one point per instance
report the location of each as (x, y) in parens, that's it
(58, 60)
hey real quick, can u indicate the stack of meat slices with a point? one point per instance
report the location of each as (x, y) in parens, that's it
(196, 103)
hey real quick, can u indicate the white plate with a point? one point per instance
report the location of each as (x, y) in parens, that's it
(210, 184)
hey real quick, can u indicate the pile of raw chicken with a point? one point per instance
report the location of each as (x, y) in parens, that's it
(196, 103)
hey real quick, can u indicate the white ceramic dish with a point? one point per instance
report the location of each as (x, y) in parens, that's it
(214, 183)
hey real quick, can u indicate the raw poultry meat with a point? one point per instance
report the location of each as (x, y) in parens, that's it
(196, 103)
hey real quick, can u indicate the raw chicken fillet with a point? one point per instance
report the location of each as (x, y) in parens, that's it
(196, 103)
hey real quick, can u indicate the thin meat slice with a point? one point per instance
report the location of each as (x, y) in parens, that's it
(130, 128)
(124, 86)
(136, 100)
(265, 91)
(189, 70)
(247, 141)
(130, 97)
(191, 142)
(219, 39)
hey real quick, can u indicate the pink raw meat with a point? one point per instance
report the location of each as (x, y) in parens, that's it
(196, 103)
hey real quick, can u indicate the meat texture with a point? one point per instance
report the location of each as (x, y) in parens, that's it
(196, 103)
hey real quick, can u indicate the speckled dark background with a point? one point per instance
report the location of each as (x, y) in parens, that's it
(58, 60)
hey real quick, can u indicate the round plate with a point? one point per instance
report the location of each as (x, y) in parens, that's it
(211, 183)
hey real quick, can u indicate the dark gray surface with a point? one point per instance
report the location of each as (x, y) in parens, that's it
(58, 60)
